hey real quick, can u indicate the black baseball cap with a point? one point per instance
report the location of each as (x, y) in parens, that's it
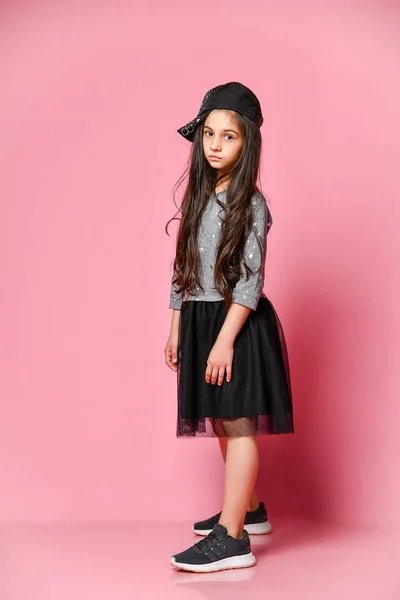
(233, 96)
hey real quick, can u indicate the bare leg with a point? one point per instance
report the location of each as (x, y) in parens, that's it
(254, 503)
(241, 467)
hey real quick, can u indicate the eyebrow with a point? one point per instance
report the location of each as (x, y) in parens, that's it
(224, 130)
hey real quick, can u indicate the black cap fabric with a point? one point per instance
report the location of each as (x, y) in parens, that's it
(232, 96)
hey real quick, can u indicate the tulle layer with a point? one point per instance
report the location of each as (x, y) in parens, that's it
(258, 399)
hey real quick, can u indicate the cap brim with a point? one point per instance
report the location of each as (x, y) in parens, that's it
(187, 131)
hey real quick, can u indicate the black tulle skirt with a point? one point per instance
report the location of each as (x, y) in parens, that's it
(258, 399)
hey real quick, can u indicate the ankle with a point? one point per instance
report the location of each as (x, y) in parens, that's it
(235, 530)
(253, 506)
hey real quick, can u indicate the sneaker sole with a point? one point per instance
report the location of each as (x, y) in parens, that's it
(255, 529)
(233, 562)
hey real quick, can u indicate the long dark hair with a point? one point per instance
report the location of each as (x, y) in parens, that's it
(237, 221)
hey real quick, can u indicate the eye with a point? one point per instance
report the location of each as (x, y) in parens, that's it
(228, 135)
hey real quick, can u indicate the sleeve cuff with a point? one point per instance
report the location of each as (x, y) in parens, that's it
(245, 300)
(173, 303)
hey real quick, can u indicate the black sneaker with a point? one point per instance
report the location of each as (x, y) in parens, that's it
(216, 552)
(256, 522)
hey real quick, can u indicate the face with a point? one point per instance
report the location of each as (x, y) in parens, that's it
(222, 140)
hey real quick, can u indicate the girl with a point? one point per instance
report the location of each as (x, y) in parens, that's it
(226, 342)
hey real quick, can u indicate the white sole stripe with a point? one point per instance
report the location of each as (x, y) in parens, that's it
(233, 562)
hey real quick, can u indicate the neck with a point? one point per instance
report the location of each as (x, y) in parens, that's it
(223, 185)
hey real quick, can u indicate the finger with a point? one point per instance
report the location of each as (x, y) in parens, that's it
(214, 375)
(208, 373)
(221, 374)
(229, 372)
(169, 360)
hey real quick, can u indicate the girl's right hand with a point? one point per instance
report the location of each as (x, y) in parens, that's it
(171, 353)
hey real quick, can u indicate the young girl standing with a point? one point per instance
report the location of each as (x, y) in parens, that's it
(226, 342)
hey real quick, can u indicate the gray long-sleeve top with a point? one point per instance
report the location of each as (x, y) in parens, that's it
(245, 292)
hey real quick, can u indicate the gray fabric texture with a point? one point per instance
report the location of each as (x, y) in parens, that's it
(245, 292)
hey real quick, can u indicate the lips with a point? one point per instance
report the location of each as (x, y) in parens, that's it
(215, 158)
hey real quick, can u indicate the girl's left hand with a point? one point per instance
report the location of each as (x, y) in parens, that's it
(219, 360)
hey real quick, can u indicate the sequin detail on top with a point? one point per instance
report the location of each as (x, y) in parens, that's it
(245, 292)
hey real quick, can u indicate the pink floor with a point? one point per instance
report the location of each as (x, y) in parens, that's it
(126, 561)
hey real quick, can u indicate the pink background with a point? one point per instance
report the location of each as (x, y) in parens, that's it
(91, 96)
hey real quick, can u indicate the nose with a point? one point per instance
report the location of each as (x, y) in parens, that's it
(215, 144)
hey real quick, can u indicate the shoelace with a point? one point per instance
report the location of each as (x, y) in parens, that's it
(207, 542)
